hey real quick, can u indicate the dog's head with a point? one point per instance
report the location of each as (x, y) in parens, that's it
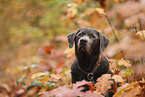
(88, 39)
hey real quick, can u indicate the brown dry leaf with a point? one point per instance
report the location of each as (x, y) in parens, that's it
(97, 21)
(129, 90)
(134, 92)
(119, 55)
(116, 71)
(124, 63)
(103, 83)
(114, 88)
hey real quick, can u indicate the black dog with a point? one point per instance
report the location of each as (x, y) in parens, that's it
(90, 64)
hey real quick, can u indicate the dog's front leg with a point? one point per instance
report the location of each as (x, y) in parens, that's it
(74, 78)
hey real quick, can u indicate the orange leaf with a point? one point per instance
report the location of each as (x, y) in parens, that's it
(44, 80)
(47, 49)
(59, 65)
(91, 86)
(114, 86)
(79, 2)
(117, 71)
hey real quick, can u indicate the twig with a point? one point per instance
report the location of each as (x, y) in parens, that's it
(139, 21)
(114, 32)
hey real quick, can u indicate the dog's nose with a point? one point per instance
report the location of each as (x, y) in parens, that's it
(83, 40)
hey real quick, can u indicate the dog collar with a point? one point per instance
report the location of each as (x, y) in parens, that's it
(91, 74)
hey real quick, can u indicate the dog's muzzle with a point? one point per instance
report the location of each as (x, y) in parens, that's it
(84, 44)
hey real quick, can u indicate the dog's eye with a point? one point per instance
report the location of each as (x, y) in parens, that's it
(81, 34)
(92, 36)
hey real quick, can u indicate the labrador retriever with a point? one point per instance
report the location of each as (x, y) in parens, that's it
(90, 63)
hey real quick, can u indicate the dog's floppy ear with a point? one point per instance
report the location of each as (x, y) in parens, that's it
(71, 38)
(104, 41)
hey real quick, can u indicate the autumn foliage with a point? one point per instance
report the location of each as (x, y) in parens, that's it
(35, 59)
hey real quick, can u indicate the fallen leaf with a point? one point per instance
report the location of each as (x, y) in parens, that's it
(91, 87)
(101, 11)
(47, 49)
(141, 34)
(35, 75)
(124, 63)
(130, 90)
(45, 79)
(104, 83)
(117, 78)
(114, 87)
(79, 2)
(72, 11)
(126, 73)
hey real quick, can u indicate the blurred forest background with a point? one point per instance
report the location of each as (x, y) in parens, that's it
(34, 56)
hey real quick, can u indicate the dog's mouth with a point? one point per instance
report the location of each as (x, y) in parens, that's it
(82, 48)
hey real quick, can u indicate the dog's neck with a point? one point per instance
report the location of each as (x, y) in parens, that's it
(87, 62)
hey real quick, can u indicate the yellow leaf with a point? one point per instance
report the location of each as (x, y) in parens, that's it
(43, 90)
(37, 75)
(141, 34)
(44, 80)
(100, 11)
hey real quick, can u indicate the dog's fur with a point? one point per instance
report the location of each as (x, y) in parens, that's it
(89, 45)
